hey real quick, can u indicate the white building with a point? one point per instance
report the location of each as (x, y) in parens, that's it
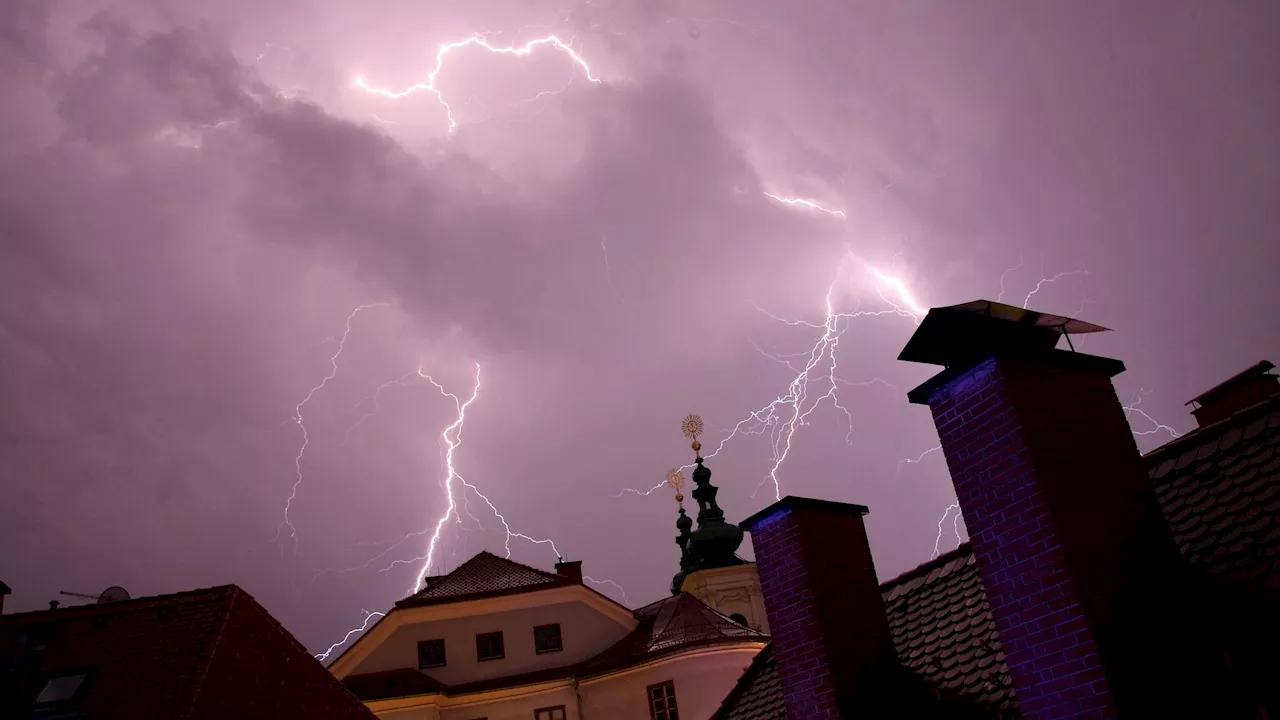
(495, 639)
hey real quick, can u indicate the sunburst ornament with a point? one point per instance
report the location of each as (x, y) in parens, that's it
(675, 479)
(692, 428)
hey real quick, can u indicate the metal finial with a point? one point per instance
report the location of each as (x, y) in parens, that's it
(675, 480)
(692, 428)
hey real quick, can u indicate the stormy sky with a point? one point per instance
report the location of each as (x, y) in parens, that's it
(196, 198)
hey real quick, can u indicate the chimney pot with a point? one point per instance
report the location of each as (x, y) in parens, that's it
(1241, 391)
(571, 570)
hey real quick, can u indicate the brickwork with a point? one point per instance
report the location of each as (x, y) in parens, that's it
(1052, 654)
(823, 601)
(1092, 601)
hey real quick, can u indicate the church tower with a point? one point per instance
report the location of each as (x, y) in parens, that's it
(710, 568)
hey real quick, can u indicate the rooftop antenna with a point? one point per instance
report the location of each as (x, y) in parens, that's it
(115, 593)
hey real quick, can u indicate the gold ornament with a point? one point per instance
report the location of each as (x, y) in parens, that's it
(692, 427)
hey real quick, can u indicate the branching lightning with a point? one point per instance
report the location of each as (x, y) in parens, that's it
(354, 631)
(784, 415)
(297, 417)
(478, 41)
(802, 202)
(1132, 408)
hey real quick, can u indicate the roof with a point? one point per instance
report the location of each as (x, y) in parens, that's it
(193, 655)
(758, 693)
(675, 624)
(944, 632)
(1219, 487)
(942, 629)
(485, 575)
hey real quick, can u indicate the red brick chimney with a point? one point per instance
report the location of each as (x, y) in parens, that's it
(1097, 611)
(571, 570)
(831, 637)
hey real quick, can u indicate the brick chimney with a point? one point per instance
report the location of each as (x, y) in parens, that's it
(571, 570)
(1244, 390)
(831, 637)
(1097, 611)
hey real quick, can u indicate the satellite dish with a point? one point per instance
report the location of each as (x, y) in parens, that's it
(113, 594)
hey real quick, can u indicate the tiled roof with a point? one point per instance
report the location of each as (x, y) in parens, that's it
(1219, 487)
(194, 655)
(484, 575)
(943, 629)
(668, 626)
(758, 694)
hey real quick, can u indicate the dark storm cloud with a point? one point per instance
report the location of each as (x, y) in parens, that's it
(184, 238)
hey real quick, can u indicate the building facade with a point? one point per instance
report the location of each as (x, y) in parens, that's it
(497, 639)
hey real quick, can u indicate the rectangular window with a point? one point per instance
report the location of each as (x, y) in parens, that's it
(431, 654)
(551, 713)
(489, 646)
(662, 701)
(546, 638)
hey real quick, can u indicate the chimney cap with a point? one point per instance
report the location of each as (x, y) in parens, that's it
(973, 331)
(1241, 378)
(4, 589)
(792, 503)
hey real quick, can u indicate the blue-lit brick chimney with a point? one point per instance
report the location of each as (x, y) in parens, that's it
(1097, 612)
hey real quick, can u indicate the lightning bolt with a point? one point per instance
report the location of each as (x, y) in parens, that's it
(452, 437)
(479, 41)
(297, 417)
(1047, 280)
(802, 202)
(917, 460)
(1000, 297)
(955, 524)
(780, 418)
(1132, 408)
(350, 633)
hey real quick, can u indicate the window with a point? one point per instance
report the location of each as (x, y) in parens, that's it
(546, 638)
(662, 701)
(489, 646)
(738, 618)
(551, 713)
(431, 654)
(61, 689)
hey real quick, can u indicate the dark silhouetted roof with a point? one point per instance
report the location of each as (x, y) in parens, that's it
(1219, 487)
(485, 575)
(668, 626)
(943, 629)
(758, 694)
(203, 654)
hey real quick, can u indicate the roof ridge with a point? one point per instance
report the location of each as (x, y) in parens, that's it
(922, 569)
(206, 661)
(137, 604)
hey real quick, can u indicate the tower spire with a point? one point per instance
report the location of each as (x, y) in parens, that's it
(715, 542)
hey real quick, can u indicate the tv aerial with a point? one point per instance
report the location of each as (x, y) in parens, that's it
(115, 593)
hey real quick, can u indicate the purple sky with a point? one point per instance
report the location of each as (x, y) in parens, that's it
(195, 196)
